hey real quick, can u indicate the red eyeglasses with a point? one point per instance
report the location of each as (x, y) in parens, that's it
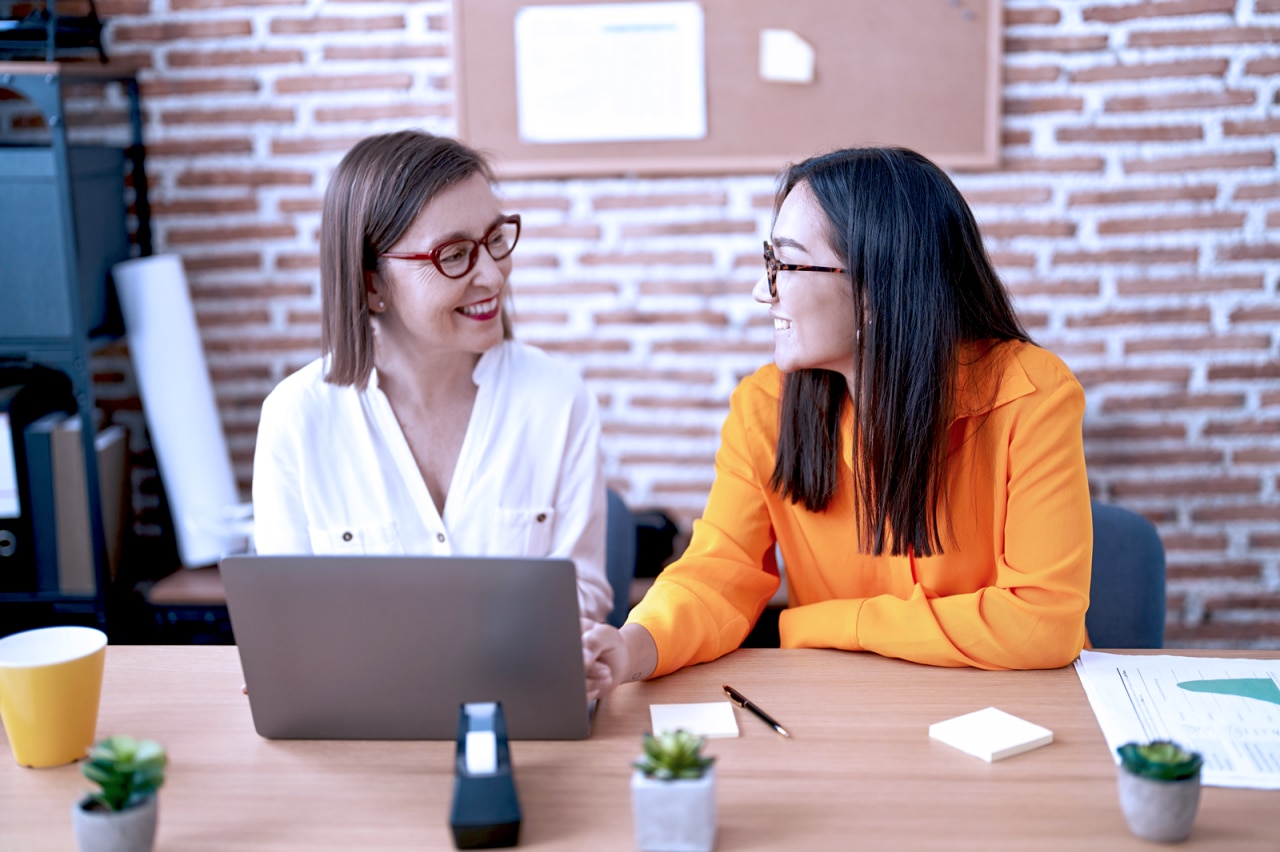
(456, 258)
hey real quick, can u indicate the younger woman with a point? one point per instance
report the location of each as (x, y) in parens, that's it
(914, 458)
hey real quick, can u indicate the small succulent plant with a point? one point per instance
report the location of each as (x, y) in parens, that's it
(127, 770)
(1160, 760)
(673, 756)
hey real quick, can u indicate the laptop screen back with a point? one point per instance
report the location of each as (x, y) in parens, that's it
(388, 647)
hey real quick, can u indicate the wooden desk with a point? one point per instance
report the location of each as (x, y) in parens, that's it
(861, 771)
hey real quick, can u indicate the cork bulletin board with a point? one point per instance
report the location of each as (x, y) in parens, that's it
(921, 73)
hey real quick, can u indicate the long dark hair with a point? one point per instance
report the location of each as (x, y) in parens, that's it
(922, 286)
(373, 197)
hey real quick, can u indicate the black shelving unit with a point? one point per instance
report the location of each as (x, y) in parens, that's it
(55, 260)
(34, 30)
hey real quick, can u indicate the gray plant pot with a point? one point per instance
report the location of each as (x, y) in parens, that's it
(1160, 811)
(130, 830)
(674, 816)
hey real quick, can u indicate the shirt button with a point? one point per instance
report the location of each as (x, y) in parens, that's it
(346, 536)
(542, 516)
(440, 537)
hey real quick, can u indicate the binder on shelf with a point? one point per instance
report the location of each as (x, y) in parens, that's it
(112, 446)
(43, 506)
(27, 393)
(76, 573)
(10, 504)
(12, 524)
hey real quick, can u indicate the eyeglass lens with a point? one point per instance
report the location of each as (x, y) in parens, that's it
(457, 258)
(771, 269)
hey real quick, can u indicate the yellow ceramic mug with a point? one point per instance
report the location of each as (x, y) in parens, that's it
(50, 681)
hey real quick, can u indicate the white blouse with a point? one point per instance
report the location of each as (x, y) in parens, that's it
(333, 473)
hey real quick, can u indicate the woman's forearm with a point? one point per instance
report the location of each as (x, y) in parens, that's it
(642, 653)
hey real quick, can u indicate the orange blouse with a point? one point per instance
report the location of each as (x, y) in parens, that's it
(1009, 591)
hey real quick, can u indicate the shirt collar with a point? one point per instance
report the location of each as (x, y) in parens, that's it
(487, 367)
(989, 376)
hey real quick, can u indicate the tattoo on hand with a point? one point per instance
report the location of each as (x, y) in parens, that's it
(637, 675)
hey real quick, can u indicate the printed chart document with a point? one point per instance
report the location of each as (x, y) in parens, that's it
(610, 72)
(1226, 709)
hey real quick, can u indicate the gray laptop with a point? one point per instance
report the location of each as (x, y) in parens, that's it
(389, 647)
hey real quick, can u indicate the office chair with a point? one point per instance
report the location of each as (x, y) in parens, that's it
(620, 556)
(1126, 595)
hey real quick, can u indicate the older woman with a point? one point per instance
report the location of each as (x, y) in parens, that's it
(917, 461)
(425, 428)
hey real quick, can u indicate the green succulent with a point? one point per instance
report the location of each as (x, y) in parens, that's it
(1161, 760)
(127, 770)
(673, 756)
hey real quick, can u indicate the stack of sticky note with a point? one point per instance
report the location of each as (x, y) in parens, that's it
(714, 719)
(990, 734)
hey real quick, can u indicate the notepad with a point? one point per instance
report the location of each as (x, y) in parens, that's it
(990, 734)
(712, 720)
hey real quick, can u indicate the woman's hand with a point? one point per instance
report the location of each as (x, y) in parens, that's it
(611, 657)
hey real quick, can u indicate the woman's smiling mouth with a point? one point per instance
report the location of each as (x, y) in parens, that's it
(485, 310)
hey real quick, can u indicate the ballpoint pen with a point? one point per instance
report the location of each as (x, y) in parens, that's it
(742, 701)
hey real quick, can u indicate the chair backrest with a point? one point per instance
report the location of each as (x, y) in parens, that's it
(1126, 595)
(620, 556)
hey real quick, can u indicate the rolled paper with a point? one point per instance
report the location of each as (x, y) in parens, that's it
(179, 405)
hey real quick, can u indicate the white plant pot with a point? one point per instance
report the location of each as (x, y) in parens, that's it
(1159, 811)
(674, 816)
(130, 830)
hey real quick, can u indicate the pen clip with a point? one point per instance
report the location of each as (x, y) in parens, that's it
(735, 696)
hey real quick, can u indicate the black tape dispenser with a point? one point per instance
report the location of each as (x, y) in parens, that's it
(486, 812)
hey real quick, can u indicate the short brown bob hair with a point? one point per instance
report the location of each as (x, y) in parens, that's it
(373, 197)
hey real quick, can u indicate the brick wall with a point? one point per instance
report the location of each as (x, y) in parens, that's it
(1136, 218)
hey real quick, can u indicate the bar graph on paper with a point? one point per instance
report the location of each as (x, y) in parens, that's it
(1227, 709)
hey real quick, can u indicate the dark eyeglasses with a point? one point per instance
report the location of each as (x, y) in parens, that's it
(456, 258)
(773, 267)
